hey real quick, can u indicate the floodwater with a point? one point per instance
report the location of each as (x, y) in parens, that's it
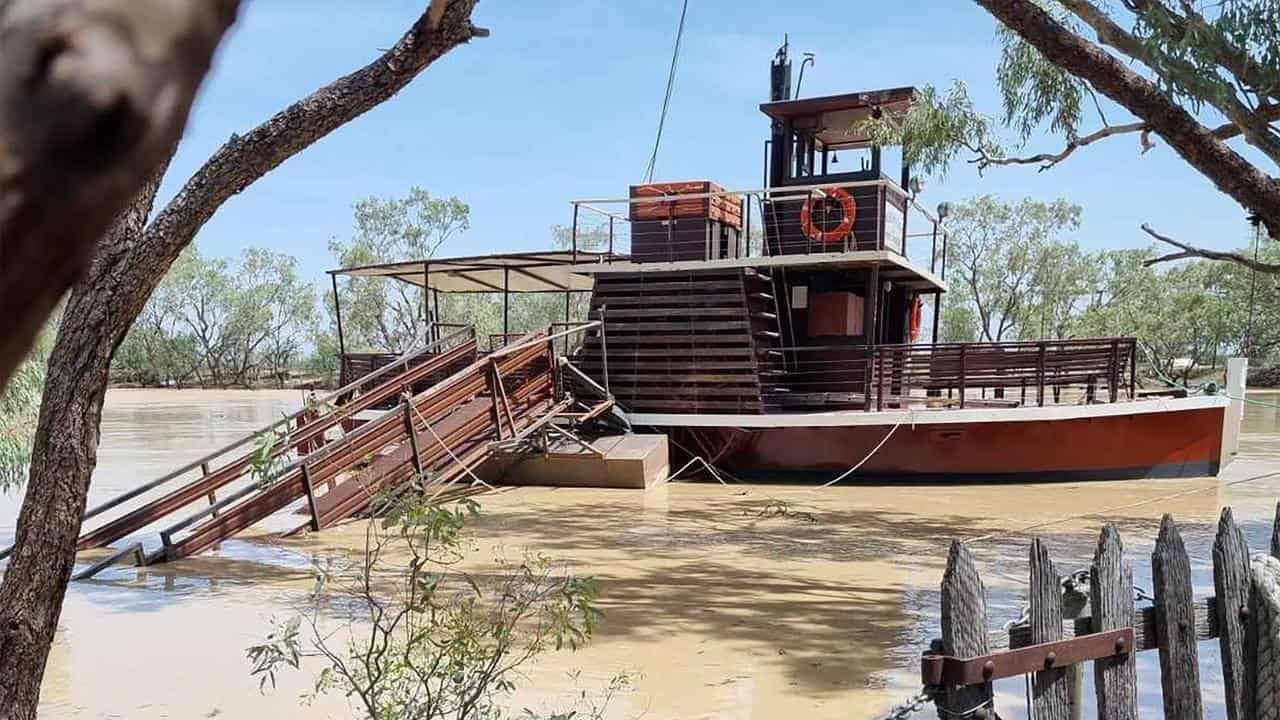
(713, 607)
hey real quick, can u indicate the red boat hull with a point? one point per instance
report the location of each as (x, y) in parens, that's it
(1181, 443)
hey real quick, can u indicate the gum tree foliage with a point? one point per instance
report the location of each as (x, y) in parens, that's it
(405, 632)
(1186, 316)
(215, 322)
(19, 407)
(1203, 77)
(1006, 265)
(385, 314)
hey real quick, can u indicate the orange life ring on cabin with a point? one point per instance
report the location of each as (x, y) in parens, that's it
(913, 320)
(848, 208)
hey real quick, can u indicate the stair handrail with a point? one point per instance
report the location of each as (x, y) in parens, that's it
(407, 357)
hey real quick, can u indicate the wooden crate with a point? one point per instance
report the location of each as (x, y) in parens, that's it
(726, 209)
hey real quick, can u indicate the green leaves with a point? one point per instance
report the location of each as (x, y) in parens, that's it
(420, 638)
(383, 314)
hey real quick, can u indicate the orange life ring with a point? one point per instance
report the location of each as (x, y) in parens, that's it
(913, 321)
(827, 237)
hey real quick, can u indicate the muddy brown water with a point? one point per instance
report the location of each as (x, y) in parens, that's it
(714, 609)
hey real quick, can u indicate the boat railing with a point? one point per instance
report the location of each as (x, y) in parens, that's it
(963, 375)
(722, 224)
(359, 365)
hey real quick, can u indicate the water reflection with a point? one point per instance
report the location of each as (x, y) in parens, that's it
(726, 610)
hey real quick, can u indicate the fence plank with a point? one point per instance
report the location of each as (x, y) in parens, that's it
(1115, 679)
(1049, 700)
(1232, 586)
(1275, 534)
(1175, 625)
(964, 626)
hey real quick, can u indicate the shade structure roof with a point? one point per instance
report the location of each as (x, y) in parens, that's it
(835, 119)
(528, 272)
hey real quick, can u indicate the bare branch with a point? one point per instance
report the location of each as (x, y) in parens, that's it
(1225, 131)
(1191, 251)
(93, 96)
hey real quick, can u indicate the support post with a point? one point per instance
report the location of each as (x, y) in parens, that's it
(573, 232)
(604, 345)
(311, 497)
(871, 325)
(1237, 369)
(426, 302)
(342, 345)
(213, 496)
(962, 376)
(506, 297)
(937, 315)
(407, 402)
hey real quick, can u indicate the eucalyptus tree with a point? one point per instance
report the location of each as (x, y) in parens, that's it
(999, 262)
(384, 314)
(1202, 77)
(112, 291)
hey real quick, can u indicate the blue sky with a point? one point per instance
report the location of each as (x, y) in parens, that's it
(561, 102)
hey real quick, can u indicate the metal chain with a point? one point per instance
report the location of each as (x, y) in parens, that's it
(912, 706)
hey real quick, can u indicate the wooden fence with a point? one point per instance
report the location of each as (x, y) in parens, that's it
(1057, 637)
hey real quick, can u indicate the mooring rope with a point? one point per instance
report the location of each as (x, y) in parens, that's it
(1115, 508)
(476, 479)
(1266, 584)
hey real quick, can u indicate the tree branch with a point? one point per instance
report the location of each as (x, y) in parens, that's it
(93, 96)
(1229, 171)
(1191, 251)
(1225, 131)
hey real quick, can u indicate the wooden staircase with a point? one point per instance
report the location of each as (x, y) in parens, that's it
(686, 342)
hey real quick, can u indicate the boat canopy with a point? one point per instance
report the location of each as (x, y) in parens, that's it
(527, 272)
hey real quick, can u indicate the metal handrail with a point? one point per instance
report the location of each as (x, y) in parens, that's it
(402, 360)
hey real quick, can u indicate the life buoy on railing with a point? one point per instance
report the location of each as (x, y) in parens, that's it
(913, 320)
(848, 208)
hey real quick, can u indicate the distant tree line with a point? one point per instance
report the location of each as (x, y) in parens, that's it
(1013, 275)
(253, 321)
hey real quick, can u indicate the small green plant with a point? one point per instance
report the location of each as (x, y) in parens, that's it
(420, 638)
(267, 461)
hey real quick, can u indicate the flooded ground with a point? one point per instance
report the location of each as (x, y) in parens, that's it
(716, 608)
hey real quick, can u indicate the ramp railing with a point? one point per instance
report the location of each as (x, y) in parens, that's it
(436, 436)
(336, 408)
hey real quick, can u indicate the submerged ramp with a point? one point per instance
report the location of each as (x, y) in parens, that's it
(443, 409)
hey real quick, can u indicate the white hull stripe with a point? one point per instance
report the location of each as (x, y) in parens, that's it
(849, 418)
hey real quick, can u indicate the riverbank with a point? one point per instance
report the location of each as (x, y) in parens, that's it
(717, 609)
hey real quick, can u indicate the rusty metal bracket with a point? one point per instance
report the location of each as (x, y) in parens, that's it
(945, 670)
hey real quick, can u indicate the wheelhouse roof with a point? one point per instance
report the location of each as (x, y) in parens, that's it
(834, 119)
(528, 272)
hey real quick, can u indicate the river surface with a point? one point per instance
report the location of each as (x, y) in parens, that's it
(713, 607)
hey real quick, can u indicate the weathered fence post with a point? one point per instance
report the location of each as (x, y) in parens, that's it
(1275, 534)
(964, 627)
(1232, 587)
(1049, 699)
(1176, 625)
(1115, 679)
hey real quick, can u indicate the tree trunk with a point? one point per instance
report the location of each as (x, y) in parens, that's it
(92, 98)
(63, 457)
(130, 262)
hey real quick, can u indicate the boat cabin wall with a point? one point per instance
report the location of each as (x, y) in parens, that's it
(832, 307)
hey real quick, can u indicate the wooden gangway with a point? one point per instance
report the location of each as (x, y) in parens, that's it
(449, 405)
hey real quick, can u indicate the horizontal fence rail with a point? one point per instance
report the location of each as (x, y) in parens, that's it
(1091, 616)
